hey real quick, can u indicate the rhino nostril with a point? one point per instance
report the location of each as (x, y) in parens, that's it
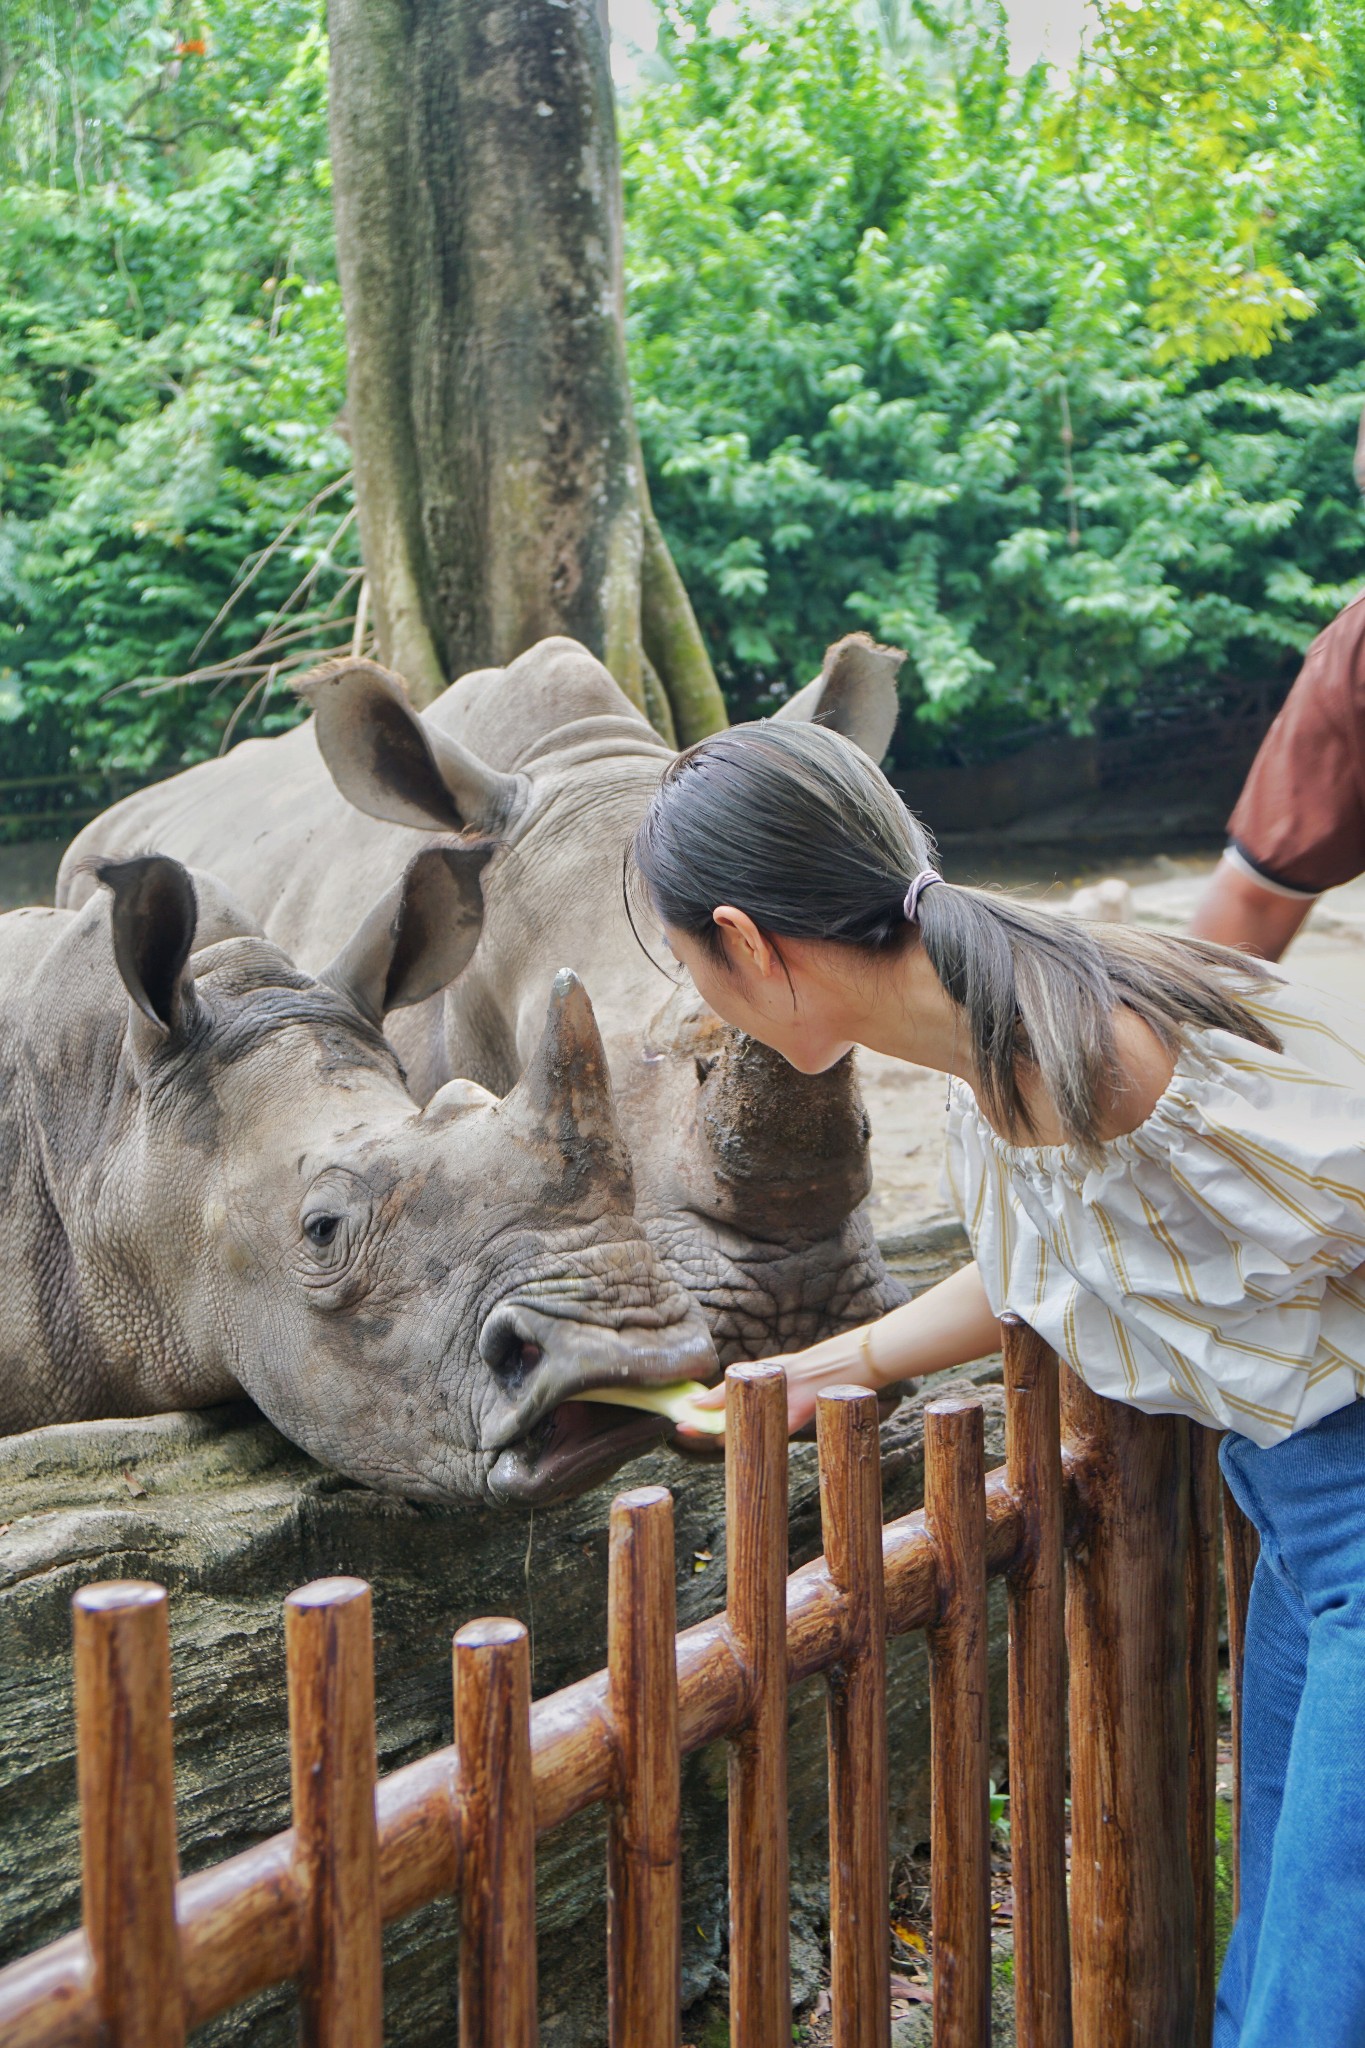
(705, 1068)
(516, 1362)
(508, 1349)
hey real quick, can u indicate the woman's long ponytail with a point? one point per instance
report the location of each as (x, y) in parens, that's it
(798, 828)
(1062, 978)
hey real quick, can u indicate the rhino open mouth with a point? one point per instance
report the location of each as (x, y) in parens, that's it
(568, 1449)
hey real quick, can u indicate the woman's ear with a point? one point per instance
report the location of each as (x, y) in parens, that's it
(746, 948)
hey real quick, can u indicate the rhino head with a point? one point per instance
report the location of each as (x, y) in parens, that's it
(413, 1295)
(749, 1177)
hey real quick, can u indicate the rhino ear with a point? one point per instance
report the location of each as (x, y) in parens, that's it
(456, 1099)
(391, 764)
(152, 921)
(419, 935)
(854, 694)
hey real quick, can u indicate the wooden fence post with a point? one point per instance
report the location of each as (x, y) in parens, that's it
(959, 1720)
(498, 1881)
(756, 1608)
(127, 1796)
(644, 1881)
(329, 1654)
(1201, 1580)
(1241, 1548)
(859, 1874)
(1037, 1687)
(1132, 1901)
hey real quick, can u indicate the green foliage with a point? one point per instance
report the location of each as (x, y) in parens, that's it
(1054, 384)
(1000, 1814)
(1052, 380)
(171, 362)
(1223, 1915)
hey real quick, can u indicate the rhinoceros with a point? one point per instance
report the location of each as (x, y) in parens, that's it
(213, 1180)
(749, 1177)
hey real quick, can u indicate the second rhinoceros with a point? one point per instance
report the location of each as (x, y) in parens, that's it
(750, 1178)
(213, 1179)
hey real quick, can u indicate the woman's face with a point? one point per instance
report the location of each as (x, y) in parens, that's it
(783, 1001)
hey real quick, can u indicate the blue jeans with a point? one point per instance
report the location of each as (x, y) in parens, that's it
(1295, 1968)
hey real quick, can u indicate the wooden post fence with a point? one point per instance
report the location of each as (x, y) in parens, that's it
(498, 1895)
(329, 1655)
(1126, 1505)
(1201, 1605)
(1037, 1696)
(1132, 1895)
(959, 1712)
(859, 1876)
(127, 1794)
(644, 1855)
(756, 1611)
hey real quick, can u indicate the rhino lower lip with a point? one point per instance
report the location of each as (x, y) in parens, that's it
(575, 1444)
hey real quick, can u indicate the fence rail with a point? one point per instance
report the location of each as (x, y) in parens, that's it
(86, 792)
(1130, 1499)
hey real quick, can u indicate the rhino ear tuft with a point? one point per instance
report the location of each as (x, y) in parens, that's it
(152, 921)
(389, 763)
(420, 935)
(854, 693)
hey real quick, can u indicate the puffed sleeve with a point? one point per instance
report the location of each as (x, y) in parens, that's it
(1209, 1263)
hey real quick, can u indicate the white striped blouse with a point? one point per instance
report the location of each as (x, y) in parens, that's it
(1212, 1262)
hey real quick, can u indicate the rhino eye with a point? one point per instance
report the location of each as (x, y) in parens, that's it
(321, 1230)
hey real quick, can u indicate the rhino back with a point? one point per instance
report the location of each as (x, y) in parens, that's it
(26, 937)
(267, 820)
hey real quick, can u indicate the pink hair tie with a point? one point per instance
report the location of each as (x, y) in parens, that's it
(923, 880)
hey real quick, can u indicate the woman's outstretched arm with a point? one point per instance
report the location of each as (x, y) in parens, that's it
(947, 1325)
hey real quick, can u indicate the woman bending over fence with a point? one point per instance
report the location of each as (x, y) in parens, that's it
(1158, 1149)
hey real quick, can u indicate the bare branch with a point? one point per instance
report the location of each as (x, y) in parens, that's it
(240, 589)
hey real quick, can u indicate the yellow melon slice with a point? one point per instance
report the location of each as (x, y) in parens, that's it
(674, 1400)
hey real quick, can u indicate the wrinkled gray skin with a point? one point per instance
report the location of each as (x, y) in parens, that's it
(749, 1177)
(213, 1179)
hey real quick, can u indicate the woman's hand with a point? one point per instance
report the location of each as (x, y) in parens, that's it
(841, 1361)
(947, 1325)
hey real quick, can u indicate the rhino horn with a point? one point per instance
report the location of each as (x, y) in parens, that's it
(391, 764)
(565, 1091)
(854, 693)
(792, 1148)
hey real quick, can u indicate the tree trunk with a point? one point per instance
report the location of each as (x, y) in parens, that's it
(500, 487)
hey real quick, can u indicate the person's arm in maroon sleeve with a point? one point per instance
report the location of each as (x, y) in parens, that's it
(1299, 825)
(1240, 908)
